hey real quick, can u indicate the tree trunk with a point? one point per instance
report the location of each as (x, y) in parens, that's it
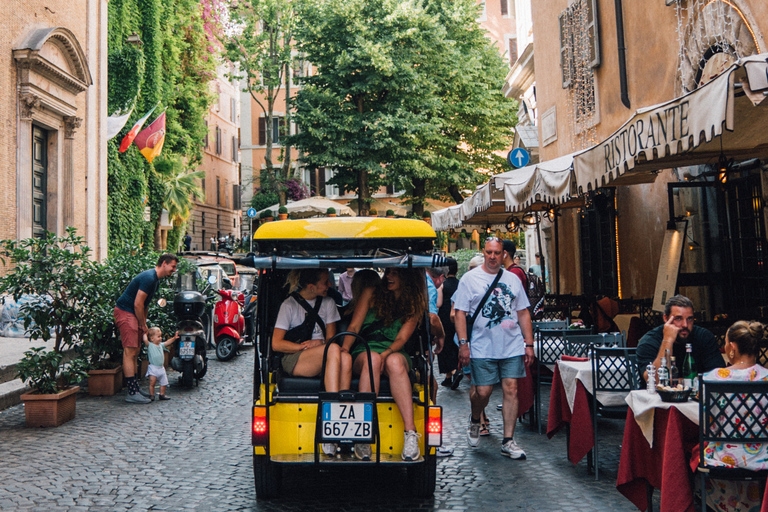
(363, 195)
(158, 235)
(285, 171)
(419, 191)
(453, 190)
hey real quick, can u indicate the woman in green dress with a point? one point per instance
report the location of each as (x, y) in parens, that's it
(386, 316)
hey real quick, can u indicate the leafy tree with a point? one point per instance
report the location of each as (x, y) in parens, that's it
(260, 41)
(370, 103)
(474, 116)
(178, 187)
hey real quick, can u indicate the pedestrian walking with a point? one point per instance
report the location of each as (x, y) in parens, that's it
(153, 340)
(448, 358)
(131, 319)
(496, 338)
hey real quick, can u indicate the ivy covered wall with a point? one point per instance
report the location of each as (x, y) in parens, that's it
(172, 65)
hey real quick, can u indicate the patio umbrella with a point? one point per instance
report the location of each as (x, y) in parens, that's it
(381, 206)
(312, 207)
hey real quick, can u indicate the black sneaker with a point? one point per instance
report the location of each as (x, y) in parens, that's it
(163, 397)
(457, 379)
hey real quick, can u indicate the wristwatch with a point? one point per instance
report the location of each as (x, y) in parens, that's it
(462, 342)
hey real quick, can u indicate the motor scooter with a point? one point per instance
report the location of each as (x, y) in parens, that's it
(233, 319)
(190, 348)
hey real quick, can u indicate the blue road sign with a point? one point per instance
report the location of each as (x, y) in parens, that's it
(251, 212)
(518, 157)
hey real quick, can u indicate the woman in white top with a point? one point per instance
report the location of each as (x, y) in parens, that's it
(302, 340)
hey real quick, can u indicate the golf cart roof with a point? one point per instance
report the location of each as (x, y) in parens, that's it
(352, 242)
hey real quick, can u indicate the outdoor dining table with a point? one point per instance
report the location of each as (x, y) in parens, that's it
(569, 405)
(659, 440)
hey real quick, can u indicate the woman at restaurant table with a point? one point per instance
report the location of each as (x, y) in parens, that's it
(742, 342)
(386, 316)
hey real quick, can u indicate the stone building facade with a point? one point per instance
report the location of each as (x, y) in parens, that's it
(219, 214)
(53, 103)
(597, 64)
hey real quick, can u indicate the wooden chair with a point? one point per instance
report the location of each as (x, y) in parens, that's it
(733, 413)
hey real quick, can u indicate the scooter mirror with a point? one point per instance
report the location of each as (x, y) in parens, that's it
(212, 279)
(162, 303)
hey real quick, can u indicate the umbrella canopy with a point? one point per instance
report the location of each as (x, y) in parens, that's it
(312, 207)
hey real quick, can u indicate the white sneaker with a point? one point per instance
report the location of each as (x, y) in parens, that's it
(473, 434)
(411, 445)
(363, 451)
(329, 449)
(511, 450)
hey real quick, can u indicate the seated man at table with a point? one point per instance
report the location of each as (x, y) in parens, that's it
(677, 331)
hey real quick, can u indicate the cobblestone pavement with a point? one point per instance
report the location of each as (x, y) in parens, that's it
(193, 453)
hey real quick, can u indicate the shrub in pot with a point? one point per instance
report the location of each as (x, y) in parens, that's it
(56, 273)
(373, 212)
(331, 211)
(390, 213)
(282, 213)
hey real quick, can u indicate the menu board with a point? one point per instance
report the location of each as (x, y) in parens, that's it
(669, 264)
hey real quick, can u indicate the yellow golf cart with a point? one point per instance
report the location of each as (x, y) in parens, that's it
(293, 416)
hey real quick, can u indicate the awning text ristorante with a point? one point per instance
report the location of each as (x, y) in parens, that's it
(656, 130)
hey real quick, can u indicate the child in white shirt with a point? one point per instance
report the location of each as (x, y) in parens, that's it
(156, 368)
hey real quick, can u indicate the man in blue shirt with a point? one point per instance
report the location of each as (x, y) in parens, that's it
(131, 318)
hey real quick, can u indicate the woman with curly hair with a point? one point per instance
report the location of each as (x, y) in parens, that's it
(386, 316)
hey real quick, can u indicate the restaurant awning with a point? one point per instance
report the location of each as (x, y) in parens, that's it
(543, 184)
(685, 131)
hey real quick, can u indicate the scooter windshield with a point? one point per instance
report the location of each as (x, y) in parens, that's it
(186, 283)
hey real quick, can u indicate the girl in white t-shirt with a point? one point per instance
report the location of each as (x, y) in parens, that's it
(303, 345)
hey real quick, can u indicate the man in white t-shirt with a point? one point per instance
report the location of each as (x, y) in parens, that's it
(502, 340)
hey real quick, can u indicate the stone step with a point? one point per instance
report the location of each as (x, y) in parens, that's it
(10, 393)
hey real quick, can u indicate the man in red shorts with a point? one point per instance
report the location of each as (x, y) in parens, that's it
(131, 319)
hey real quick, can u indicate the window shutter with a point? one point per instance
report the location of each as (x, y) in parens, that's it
(566, 51)
(232, 110)
(235, 197)
(593, 33)
(504, 8)
(262, 131)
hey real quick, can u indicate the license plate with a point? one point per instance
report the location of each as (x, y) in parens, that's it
(187, 349)
(347, 421)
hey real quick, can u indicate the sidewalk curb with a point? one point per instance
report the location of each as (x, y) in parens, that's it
(10, 393)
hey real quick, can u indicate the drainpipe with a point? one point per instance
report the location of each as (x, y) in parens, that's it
(622, 53)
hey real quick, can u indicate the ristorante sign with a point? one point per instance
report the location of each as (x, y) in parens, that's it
(667, 129)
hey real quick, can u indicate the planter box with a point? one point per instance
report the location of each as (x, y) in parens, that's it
(463, 243)
(105, 382)
(50, 410)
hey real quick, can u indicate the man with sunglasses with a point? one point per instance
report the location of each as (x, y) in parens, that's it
(501, 339)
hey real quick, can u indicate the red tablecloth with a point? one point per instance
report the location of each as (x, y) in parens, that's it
(665, 466)
(525, 392)
(582, 438)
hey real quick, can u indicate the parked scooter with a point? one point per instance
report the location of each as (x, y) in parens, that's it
(191, 321)
(233, 319)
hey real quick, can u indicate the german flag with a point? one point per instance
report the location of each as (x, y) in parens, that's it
(150, 140)
(126, 143)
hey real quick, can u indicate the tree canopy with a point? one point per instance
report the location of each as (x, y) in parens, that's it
(407, 92)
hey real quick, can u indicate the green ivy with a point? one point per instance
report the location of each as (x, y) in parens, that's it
(172, 66)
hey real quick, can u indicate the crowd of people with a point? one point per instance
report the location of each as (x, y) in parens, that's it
(481, 329)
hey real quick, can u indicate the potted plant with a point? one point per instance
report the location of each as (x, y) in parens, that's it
(426, 216)
(331, 211)
(373, 212)
(282, 213)
(55, 274)
(463, 242)
(266, 216)
(390, 214)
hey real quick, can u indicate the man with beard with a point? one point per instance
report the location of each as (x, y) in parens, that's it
(677, 331)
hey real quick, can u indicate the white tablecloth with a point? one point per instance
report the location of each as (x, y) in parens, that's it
(571, 371)
(643, 405)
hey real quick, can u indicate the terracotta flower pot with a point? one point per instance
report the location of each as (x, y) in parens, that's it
(105, 382)
(331, 214)
(282, 216)
(50, 410)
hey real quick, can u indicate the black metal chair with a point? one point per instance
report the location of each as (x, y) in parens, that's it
(550, 345)
(549, 324)
(580, 345)
(613, 370)
(733, 413)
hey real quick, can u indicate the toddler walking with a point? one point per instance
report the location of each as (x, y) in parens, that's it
(156, 368)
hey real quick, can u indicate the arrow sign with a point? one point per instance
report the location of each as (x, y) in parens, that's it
(251, 212)
(518, 157)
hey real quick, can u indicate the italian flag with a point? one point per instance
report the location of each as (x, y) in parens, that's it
(126, 143)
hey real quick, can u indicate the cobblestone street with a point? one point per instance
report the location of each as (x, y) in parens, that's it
(193, 453)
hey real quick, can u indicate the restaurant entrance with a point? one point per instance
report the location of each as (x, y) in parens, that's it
(722, 267)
